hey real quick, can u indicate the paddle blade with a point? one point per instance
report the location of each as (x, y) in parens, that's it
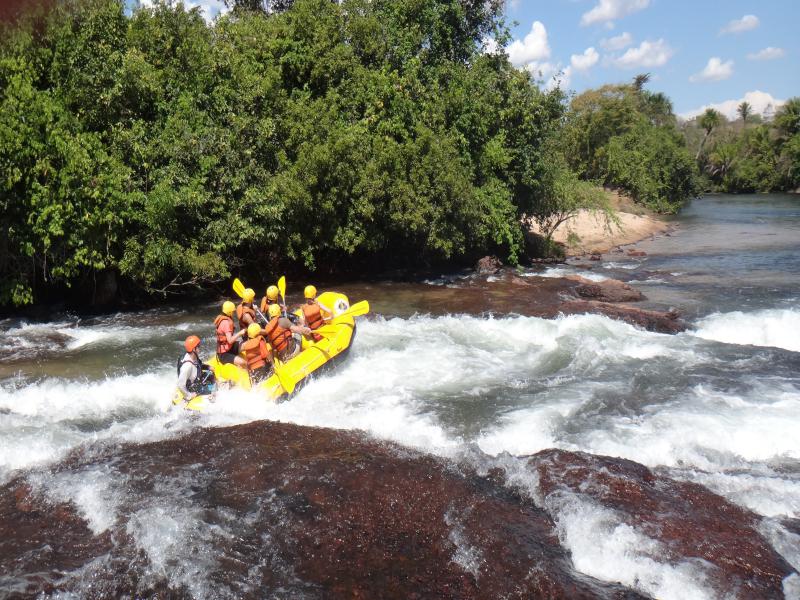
(238, 287)
(282, 287)
(358, 309)
(283, 378)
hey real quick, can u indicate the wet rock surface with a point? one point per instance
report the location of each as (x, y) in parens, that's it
(508, 291)
(277, 510)
(689, 521)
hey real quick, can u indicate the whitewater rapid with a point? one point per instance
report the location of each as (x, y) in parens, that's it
(701, 405)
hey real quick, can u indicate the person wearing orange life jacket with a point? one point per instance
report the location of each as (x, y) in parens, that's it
(279, 332)
(257, 354)
(271, 298)
(227, 341)
(246, 312)
(312, 311)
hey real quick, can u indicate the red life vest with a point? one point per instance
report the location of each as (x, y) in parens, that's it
(314, 320)
(278, 336)
(243, 310)
(255, 353)
(222, 339)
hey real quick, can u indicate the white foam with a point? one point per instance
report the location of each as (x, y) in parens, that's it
(605, 547)
(779, 328)
(559, 272)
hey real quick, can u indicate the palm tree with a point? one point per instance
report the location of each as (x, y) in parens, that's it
(745, 110)
(640, 80)
(708, 121)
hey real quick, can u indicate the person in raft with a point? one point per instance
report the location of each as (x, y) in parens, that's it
(312, 312)
(279, 332)
(246, 312)
(270, 299)
(257, 354)
(194, 378)
(227, 341)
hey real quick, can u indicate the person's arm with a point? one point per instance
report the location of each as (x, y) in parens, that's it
(327, 310)
(186, 375)
(287, 324)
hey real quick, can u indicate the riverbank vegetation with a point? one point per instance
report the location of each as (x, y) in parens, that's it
(150, 152)
(749, 154)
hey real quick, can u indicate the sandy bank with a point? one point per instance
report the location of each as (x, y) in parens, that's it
(589, 233)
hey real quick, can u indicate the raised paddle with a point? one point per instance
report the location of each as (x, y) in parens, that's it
(358, 309)
(238, 287)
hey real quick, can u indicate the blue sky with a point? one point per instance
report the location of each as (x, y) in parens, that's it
(699, 52)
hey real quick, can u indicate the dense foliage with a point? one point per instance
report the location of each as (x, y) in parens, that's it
(626, 137)
(162, 152)
(748, 154)
(168, 152)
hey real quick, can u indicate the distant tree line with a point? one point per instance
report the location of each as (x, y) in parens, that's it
(161, 153)
(748, 154)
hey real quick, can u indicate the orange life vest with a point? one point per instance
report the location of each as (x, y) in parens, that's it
(255, 353)
(222, 339)
(278, 336)
(265, 302)
(243, 310)
(314, 320)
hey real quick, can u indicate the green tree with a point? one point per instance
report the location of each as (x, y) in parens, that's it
(745, 110)
(708, 121)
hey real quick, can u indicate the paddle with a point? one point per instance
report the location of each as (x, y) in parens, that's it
(358, 309)
(238, 287)
(286, 383)
(282, 288)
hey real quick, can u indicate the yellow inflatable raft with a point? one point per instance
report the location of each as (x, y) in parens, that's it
(339, 335)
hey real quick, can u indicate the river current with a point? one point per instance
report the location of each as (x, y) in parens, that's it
(718, 405)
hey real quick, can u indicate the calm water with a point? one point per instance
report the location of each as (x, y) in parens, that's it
(718, 405)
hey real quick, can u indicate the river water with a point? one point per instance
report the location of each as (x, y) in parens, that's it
(718, 405)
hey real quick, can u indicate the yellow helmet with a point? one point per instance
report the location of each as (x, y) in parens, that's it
(253, 330)
(272, 292)
(248, 295)
(310, 292)
(228, 307)
(274, 311)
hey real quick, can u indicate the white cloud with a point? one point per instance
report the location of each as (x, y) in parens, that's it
(715, 70)
(534, 47)
(647, 54)
(618, 42)
(746, 23)
(769, 53)
(551, 74)
(761, 102)
(582, 62)
(208, 8)
(610, 10)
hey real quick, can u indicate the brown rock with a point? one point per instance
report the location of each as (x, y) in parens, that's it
(688, 520)
(646, 319)
(489, 265)
(637, 253)
(610, 290)
(301, 512)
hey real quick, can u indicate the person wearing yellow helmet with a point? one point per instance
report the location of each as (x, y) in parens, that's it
(256, 353)
(313, 311)
(278, 332)
(227, 341)
(246, 312)
(271, 298)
